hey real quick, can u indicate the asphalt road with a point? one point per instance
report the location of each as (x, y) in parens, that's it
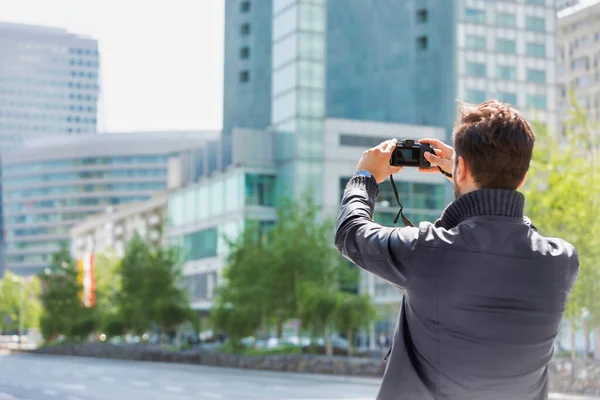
(37, 377)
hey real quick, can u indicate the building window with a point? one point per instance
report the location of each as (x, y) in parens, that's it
(245, 29)
(244, 76)
(536, 75)
(200, 244)
(476, 69)
(536, 49)
(475, 42)
(536, 102)
(245, 53)
(580, 63)
(245, 6)
(510, 98)
(506, 72)
(475, 15)
(260, 190)
(535, 24)
(422, 43)
(475, 96)
(421, 16)
(506, 19)
(506, 46)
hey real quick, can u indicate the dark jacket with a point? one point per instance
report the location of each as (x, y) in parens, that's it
(484, 294)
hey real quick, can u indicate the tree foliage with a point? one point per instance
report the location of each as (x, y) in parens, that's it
(291, 272)
(562, 200)
(63, 312)
(150, 291)
(10, 302)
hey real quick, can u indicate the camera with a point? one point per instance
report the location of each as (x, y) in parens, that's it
(410, 154)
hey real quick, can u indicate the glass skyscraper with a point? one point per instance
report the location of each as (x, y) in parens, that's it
(397, 61)
(48, 83)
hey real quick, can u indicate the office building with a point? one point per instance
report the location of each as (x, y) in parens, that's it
(579, 58)
(48, 83)
(219, 204)
(113, 229)
(563, 4)
(345, 75)
(51, 184)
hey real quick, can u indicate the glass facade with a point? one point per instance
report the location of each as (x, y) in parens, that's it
(48, 83)
(393, 62)
(298, 93)
(220, 196)
(200, 244)
(43, 200)
(247, 76)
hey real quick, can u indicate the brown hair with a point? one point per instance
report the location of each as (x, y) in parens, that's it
(496, 142)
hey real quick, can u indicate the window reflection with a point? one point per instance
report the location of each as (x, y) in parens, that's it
(200, 244)
(260, 190)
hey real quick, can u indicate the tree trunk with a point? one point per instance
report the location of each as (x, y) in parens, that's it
(349, 342)
(573, 351)
(586, 333)
(328, 347)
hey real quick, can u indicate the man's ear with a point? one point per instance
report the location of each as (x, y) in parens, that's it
(460, 169)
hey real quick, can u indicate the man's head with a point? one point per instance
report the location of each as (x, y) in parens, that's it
(493, 144)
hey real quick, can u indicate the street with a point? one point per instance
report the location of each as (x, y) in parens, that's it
(37, 377)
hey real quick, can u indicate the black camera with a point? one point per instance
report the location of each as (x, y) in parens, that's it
(410, 154)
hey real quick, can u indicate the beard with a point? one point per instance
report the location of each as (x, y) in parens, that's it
(457, 192)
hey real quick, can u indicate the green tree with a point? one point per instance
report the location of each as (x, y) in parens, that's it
(170, 303)
(12, 287)
(318, 309)
(107, 283)
(61, 302)
(243, 305)
(299, 252)
(150, 288)
(291, 272)
(132, 300)
(561, 189)
(354, 312)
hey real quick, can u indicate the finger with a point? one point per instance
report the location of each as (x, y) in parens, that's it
(431, 158)
(390, 145)
(433, 142)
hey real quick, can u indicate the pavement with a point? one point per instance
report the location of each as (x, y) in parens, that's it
(43, 377)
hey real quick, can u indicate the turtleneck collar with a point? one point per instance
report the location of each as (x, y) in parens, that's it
(482, 202)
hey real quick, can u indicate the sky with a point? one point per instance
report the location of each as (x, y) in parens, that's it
(161, 60)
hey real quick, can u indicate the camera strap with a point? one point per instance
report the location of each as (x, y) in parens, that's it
(407, 221)
(400, 213)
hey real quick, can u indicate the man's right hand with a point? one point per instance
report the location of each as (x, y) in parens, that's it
(443, 158)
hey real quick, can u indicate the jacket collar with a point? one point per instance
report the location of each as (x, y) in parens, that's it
(483, 202)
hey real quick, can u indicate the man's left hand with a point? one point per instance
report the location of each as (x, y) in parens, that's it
(377, 161)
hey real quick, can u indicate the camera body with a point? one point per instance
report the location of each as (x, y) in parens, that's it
(410, 154)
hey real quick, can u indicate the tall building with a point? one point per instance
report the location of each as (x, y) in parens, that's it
(383, 60)
(51, 184)
(247, 75)
(579, 58)
(48, 83)
(562, 4)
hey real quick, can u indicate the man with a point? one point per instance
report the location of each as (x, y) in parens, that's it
(484, 292)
